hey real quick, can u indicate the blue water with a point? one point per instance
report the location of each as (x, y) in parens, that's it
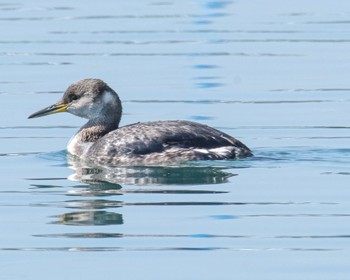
(274, 74)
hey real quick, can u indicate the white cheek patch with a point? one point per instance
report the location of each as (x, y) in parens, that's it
(86, 107)
(80, 108)
(107, 97)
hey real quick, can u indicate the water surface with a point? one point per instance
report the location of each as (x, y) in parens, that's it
(273, 74)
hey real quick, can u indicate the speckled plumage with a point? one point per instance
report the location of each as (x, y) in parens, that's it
(164, 142)
(150, 143)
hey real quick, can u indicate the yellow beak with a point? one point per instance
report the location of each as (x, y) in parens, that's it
(53, 109)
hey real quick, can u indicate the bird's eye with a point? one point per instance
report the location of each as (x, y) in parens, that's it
(73, 97)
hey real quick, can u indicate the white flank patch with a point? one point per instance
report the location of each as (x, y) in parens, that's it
(222, 151)
(203, 151)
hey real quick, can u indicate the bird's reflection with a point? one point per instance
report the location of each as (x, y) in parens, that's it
(98, 186)
(90, 218)
(148, 175)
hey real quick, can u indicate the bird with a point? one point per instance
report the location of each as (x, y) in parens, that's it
(101, 141)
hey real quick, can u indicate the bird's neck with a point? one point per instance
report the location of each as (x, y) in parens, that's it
(99, 125)
(88, 134)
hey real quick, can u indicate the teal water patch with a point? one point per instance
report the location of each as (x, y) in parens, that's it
(224, 217)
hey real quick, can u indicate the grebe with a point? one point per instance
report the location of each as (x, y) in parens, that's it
(102, 141)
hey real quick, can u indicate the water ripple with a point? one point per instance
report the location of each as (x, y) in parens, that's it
(103, 235)
(146, 54)
(150, 249)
